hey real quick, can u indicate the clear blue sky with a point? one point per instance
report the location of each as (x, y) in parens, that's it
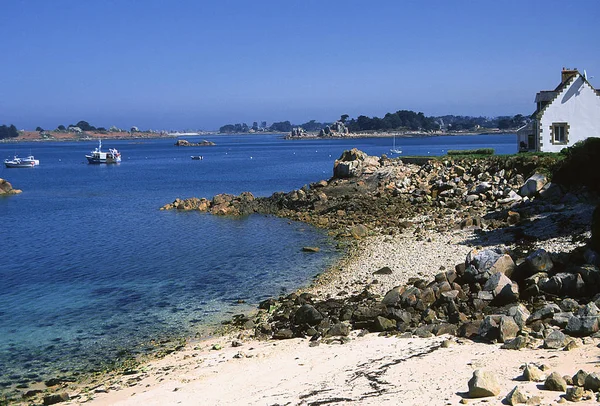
(201, 64)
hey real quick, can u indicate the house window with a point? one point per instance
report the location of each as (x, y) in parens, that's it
(560, 133)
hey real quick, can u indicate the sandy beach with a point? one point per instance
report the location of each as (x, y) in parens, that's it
(366, 369)
(369, 370)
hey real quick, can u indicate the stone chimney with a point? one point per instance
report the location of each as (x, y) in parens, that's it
(567, 74)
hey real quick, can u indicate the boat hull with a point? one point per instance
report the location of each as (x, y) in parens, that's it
(95, 160)
(10, 164)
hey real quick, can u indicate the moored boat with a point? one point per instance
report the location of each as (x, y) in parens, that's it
(17, 162)
(31, 159)
(395, 150)
(98, 157)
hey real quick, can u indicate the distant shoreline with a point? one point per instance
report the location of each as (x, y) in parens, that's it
(398, 134)
(34, 136)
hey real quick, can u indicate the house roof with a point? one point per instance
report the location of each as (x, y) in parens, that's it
(549, 95)
(545, 96)
(526, 129)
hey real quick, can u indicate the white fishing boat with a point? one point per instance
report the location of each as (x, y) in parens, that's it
(17, 162)
(98, 157)
(31, 159)
(395, 150)
(197, 157)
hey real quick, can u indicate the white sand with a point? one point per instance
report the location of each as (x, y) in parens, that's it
(370, 370)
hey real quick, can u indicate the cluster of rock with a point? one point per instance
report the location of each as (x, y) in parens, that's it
(222, 204)
(581, 386)
(491, 296)
(337, 129)
(298, 132)
(7, 189)
(186, 143)
(383, 193)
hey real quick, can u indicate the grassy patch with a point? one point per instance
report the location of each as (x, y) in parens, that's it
(480, 151)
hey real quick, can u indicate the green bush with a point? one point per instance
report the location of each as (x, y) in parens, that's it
(581, 165)
(480, 151)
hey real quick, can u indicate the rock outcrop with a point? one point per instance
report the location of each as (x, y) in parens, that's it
(7, 189)
(384, 193)
(298, 132)
(186, 143)
(337, 129)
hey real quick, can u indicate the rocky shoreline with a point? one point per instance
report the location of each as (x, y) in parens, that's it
(535, 285)
(464, 252)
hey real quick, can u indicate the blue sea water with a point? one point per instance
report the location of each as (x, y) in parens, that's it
(91, 267)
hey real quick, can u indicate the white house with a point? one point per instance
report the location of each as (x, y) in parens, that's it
(565, 115)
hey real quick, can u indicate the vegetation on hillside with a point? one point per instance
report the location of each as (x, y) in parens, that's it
(8, 131)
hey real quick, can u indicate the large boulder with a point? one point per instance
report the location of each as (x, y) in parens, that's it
(481, 264)
(307, 314)
(7, 189)
(353, 163)
(483, 384)
(520, 314)
(537, 262)
(555, 382)
(515, 397)
(533, 185)
(503, 289)
(555, 340)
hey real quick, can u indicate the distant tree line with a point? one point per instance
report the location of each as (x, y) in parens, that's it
(505, 122)
(280, 127)
(8, 131)
(412, 121)
(401, 120)
(85, 126)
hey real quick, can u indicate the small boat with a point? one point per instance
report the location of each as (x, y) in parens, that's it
(17, 162)
(395, 150)
(98, 157)
(31, 159)
(197, 157)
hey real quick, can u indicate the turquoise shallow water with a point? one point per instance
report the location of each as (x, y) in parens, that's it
(91, 267)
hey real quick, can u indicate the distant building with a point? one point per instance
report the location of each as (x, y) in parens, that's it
(565, 115)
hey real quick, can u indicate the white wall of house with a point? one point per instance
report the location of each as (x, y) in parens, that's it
(578, 105)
